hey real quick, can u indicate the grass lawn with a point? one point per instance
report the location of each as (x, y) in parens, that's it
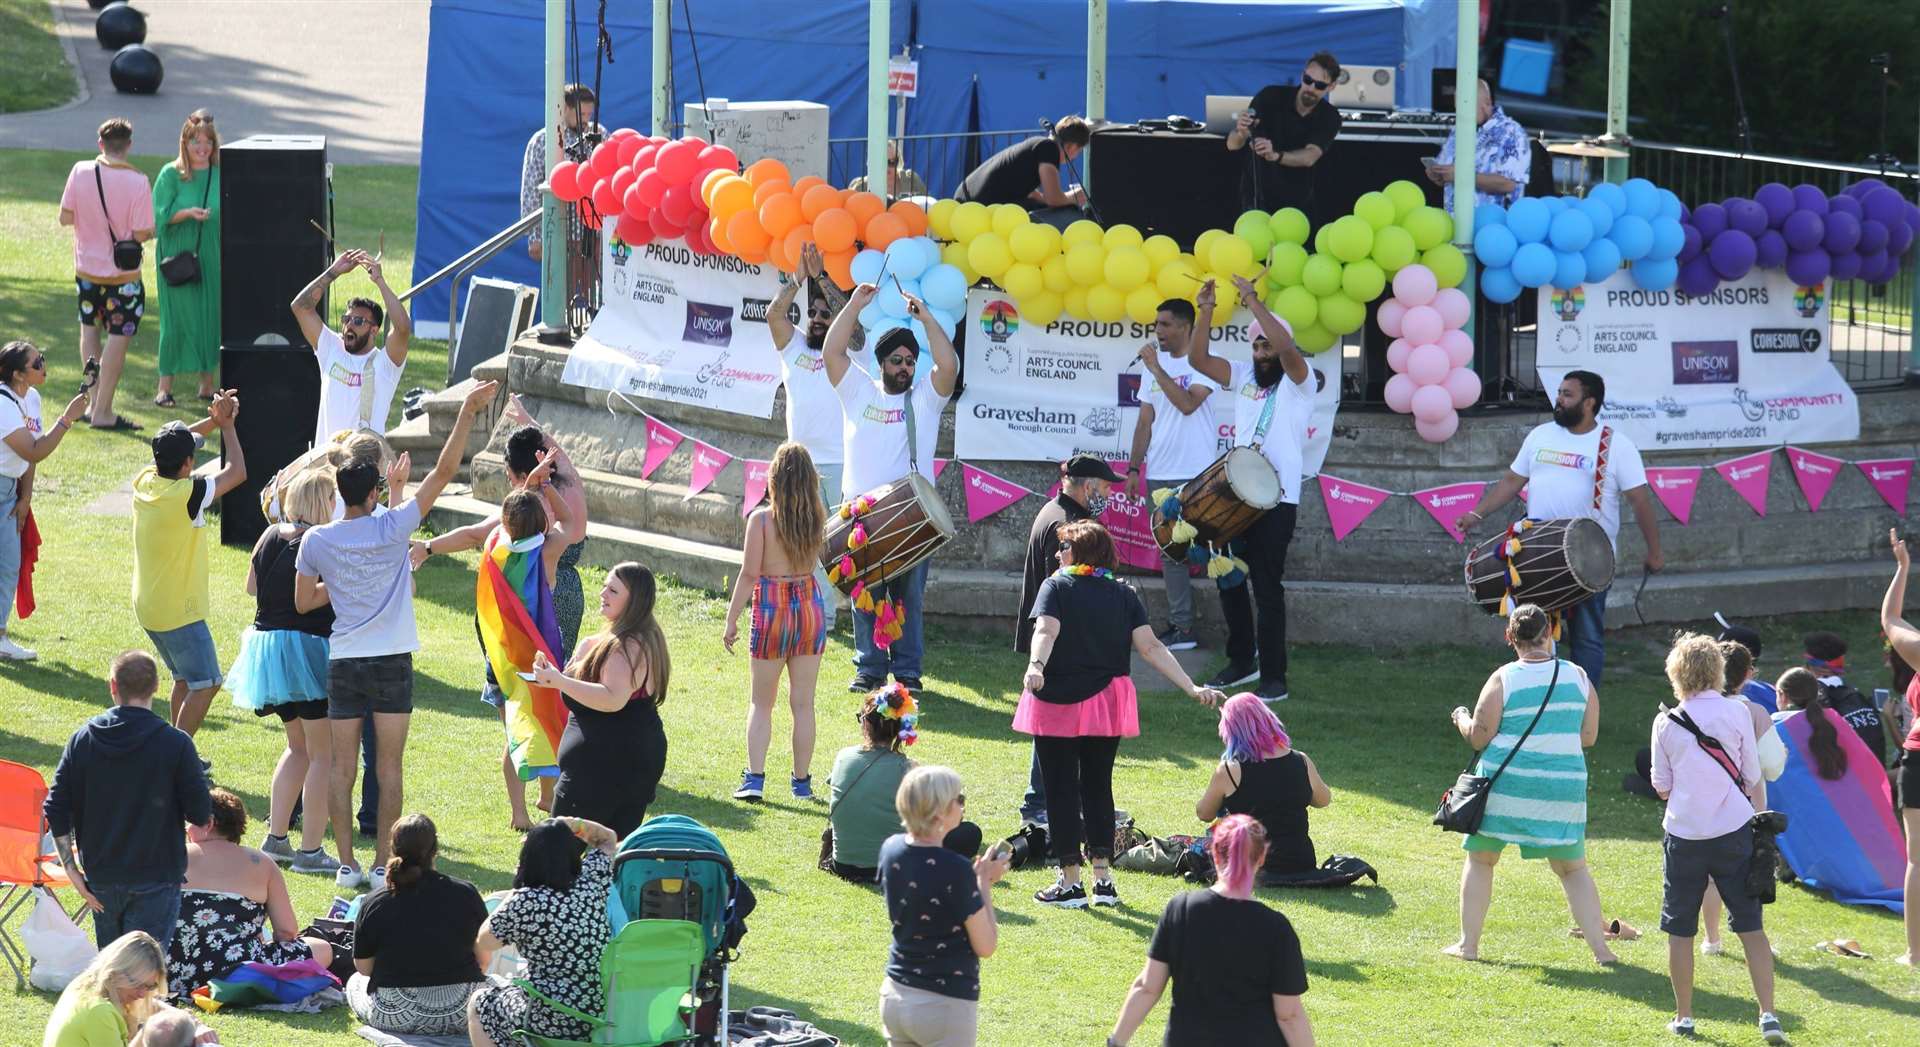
(1375, 724)
(38, 76)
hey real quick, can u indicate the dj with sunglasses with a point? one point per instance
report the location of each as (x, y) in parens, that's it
(1288, 128)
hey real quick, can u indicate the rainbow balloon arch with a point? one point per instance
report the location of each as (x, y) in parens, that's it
(1319, 282)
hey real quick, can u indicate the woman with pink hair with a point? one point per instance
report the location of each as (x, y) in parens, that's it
(1262, 775)
(1235, 964)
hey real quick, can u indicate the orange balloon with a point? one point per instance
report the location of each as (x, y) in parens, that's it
(883, 229)
(816, 199)
(708, 183)
(779, 213)
(834, 230)
(863, 206)
(746, 235)
(797, 238)
(801, 186)
(778, 255)
(767, 190)
(731, 197)
(910, 213)
(717, 232)
(766, 170)
(754, 258)
(840, 267)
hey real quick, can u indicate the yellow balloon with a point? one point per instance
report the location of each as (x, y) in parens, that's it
(1008, 217)
(1042, 309)
(989, 255)
(1143, 304)
(1203, 245)
(1126, 268)
(1178, 278)
(1086, 263)
(1033, 242)
(955, 254)
(1229, 254)
(1074, 301)
(1122, 235)
(1106, 304)
(1022, 280)
(1082, 232)
(1053, 272)
(970, 220)
(940, 218)
(1160, 250)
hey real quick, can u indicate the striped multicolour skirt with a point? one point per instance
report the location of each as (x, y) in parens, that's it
(789, 618)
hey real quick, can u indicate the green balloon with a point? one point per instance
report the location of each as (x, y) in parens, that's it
(1376, 209)
(1289, 226)
(1297, 306)
(1393, 249)
(1363, 281)
(1429, 226)
(1320, 242)
(1407, 197)
(1340, 314)
(1351, 239)
(1448, 264)
(1284, 265)
(1255, 228)
(1320, 276)
(1314, 339)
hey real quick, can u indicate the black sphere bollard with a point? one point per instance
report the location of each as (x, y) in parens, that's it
(118, 25)
(136, 70)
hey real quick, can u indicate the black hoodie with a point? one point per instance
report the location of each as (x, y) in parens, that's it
(128, 784)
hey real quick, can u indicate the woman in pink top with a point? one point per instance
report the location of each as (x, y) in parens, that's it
(1906, 643)
(107, 199)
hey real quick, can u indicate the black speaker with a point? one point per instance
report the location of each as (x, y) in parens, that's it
(279, 406)
(273, 189)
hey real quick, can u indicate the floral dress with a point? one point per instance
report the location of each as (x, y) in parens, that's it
(561, 934)
(218, 932)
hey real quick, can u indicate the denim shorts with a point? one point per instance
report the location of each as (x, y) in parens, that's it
(357, 687)
(189, 654)
(1690, 864)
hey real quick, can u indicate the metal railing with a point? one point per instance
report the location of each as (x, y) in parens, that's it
(460, 267)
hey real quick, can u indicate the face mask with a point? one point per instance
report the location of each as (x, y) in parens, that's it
(1097, 504)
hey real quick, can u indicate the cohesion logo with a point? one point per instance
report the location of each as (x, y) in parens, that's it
(1808, 300)
(1568, 303)
(708, 324)
(999, 320)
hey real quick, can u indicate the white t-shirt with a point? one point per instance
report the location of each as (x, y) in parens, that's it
(874, 433)
(1558, 467)
(364, 563)
(1181, 445)
(14, 416)
(813, 411)
(1286, 430)
(340, 376)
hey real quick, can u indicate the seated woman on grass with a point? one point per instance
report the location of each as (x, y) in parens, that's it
(865, 780)
(1262, 775)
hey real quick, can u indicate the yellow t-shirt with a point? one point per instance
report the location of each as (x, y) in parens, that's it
(77, 1023)
(169, 550)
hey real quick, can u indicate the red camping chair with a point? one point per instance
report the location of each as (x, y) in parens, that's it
(24, 869)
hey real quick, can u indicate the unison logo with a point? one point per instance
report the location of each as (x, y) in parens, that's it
(708, 324)
(1706, 363)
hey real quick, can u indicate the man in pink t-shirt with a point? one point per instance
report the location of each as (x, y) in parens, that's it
(107, 199)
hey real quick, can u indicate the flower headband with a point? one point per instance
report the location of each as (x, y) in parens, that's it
(895, 702)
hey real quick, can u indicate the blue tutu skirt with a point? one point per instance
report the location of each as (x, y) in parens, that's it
(278, 666)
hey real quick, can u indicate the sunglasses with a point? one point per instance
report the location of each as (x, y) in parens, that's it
(355, 321)
(900, 361)
(819, 314)
(961, 799)
(37, 364)
(1318, 85)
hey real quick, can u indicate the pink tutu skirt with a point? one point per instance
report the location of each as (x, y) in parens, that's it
(1114, 712)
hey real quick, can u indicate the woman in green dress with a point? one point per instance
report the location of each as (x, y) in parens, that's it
(186, 211)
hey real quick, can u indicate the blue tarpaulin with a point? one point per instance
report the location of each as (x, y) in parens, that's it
(984, 65)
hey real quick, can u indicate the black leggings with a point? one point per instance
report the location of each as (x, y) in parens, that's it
(1078, 773)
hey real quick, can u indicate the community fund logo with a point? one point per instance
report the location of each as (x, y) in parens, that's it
(1808, 300)
(708, 324)
(1567, 304)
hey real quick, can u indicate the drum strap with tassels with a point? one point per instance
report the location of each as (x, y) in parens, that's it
(1506, 552)
(1600, 466)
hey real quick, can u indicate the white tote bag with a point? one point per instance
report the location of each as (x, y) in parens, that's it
(59, 948)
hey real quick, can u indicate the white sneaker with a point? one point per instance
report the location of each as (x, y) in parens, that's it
(1713, 948)
(349, 877)
(14, 652)
(377, 879)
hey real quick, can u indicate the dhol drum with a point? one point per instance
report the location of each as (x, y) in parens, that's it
(1552, 563)
(1223, 501)
(905, 523)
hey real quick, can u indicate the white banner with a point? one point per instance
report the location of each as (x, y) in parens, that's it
(1745, 366)
(1044, 394)
(677, 326)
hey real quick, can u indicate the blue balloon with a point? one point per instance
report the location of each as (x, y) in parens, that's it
(1569, 269)
(1602, 258)
(1486, 216)
(1655, 274)
(1494, 245)
(872, 317)
(1498, 284)
(1570, 231)
(945, 287)
(890, 302)
(1611, 195)
(919, 332)
(866, 266)
(1633, 236)
(905, 259)
(1555, 204)
(1534, 264)
(1670, 205)
(1599, 214)
(1528, 219)
(1643, 200)
(1668, 239)
(949, 320)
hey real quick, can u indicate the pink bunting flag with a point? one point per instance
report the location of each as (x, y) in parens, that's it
(662, 441)
(1747, 475)
(940, 466)
(708, 461)
(986, 493)
(1349, 504)
(1448, 504)
(1675, 486)
(1816, 473)
(756, 486)
(1889, 477)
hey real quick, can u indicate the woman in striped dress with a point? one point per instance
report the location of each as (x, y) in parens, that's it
(1540, 801)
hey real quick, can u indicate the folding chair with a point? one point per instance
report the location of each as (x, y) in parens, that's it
(24, 868)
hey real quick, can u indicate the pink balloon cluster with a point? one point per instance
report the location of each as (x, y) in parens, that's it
(648, 187)
(1429, 353)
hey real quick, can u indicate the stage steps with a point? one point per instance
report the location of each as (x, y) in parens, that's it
(424, 434)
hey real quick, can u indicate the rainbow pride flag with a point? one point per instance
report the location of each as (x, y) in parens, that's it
(513, 607)
(1841, 837)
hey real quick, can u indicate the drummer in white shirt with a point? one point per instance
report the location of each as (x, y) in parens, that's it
(813, 411)
(1556, 465)
(1272, 404)
(875, 413)
(1175, 438)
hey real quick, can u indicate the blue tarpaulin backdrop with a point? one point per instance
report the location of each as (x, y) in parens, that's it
(1015, 60)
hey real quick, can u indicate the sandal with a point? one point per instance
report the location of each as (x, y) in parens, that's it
(119, 424)
(165, 400)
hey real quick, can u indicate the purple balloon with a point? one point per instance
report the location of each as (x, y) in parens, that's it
(1843, 232)
(1770, 249)
(1899, 238)
(1873, 237)
(1875, 263)
(1732, 254)
(1843, 204)
(1860, 189)
(1913, 216)
(1884, 206)
(1846, 265)
(1691, 247)
(1776, 200)
(1746, 216)
(1697, 277)
(1809, 198)
(1808, 268)
(1803, 230)
(1711, 220)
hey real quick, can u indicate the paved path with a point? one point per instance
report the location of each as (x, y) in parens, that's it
(353, 70)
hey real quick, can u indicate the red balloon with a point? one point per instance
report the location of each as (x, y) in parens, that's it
(633, 230)
(663, 229)
(606, 158)
(643, 157)
(651, 185)
(621, 180)
(625, 132)
(697, 240)
(678, 160)
(603, 199)
(588, 216)
(677, 204)
(718, 158)
(563, 183)
(628, 147)
(633, 205)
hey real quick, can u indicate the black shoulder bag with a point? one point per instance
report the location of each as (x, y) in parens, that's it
(184, 268)
(1463, 806)
(126, 253)
(1765, 825)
